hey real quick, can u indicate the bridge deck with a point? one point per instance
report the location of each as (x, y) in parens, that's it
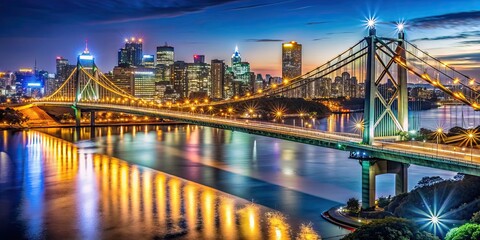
(424, 154)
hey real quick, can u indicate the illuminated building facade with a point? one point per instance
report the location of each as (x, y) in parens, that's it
(148, 61)
(217, 73)
(144, 83)
(132, 53)
(123, 78)
(198, 78)
(179, 78)
(291, 60)
(165, 55)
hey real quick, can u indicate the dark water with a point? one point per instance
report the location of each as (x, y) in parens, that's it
(86, 191)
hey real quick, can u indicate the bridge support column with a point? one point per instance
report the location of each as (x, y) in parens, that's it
(78, 117)
(92, 119)
(402, 85)
(372, 168)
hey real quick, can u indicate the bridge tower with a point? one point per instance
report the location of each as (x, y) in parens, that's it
(386, 95)
(84, 86)
(385, 109)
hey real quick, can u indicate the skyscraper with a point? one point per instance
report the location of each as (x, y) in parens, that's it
(144, 83)
(148, 61)
(132, 53)
(291, 60)
(165, 55)
(198, 58)
(236, 58)
(218, 79)
(179, 78)
(198, 78)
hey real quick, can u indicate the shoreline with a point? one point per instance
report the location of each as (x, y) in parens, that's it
(96, 125)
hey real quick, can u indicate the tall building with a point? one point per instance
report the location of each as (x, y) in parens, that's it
(198, 58)
(165, 55)
(217, 74)
(291, 60)
(236, 58)
(123, 78)
(61, 64)
(148, 61)
(179, 78)
(132, 53)
(198, 78)
(144, 83)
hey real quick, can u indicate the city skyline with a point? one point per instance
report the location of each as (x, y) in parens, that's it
(194, 28)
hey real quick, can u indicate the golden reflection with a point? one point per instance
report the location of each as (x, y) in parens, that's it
(147, 200)
(277, 226)
(175, 205)
(227, 217)
(250, 222)
(208, 213)
(307, 233)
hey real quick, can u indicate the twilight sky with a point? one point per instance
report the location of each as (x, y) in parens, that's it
(44, 29)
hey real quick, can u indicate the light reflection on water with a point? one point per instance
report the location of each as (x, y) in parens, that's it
(71, 192)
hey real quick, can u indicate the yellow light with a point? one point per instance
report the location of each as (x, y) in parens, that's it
(287, 45)
(456, 80)
(230, 110)
(274, 85)
(260, 91)
(285, 81)
(236, 97)
(248, 94)
(439, 130)
(472, 81)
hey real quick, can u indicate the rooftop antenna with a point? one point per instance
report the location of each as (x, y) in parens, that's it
(86, 46)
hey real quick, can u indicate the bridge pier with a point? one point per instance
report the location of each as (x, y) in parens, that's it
(373, 167)
(78, 117)
(92, 118)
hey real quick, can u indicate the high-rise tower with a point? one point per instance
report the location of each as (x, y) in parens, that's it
(291, 60)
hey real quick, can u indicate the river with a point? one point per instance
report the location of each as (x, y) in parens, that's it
(180, 181)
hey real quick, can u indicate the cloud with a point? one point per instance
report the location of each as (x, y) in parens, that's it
(474, 56)
(470, 42)
(316, 23)
(335, 33)
(318, 39)
(446, 20)
(258, 5)
(464, 35)
(264, 40)
(22, 16)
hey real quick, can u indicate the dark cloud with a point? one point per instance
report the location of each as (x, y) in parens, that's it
(316, 23)
(471, 42)
(464, 35)
(258, 5)
(318, 39)
(475, 57)
(21, 16)
(335, 33)
(264, 40)
(446, 20)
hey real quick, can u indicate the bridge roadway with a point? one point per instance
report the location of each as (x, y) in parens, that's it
(424, 154)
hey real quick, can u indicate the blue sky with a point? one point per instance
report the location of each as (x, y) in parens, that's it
(43, 30)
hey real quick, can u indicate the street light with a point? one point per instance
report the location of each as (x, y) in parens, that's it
(439, 131)
(470, 136)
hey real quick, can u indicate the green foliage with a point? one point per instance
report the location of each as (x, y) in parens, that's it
(353, 205)
(390, 229)
(12, 117)
(468, 231)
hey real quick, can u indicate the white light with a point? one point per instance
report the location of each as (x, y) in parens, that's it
(434, 220)
(400, 26)
(86, 57)
(371, 23)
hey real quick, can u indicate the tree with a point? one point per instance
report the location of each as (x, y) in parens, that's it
(384, 201)
(475, 218)
(390, 228)
(428, 181)
(353, 205)
(12, 117)
(468, 231)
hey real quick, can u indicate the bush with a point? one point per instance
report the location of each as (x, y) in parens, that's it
(475, 218)
(390, 229)
(468, 231)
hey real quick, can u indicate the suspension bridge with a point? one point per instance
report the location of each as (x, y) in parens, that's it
(384, 65)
